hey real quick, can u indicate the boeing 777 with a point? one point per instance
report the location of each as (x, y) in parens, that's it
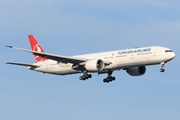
(134, 61)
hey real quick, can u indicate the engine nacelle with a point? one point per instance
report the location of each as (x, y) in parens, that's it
(95, 65)
(136, 71)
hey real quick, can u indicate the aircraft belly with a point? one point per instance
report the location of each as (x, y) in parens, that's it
(58, 69)
(64, 70)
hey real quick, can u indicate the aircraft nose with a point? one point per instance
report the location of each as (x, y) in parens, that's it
(173, 55)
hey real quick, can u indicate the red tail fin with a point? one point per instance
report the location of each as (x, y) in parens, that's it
(36, 47)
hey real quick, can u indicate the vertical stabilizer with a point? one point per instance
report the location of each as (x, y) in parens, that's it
(36, 47)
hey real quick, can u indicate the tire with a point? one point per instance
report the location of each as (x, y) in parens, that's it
(113, 78)
(84, 77)
(162, 70)
(89, 76)
(80, 77)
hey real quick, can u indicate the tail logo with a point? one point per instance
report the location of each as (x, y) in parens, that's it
(38, 49)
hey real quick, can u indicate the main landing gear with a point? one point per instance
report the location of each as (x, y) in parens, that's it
(85, 76)
(162, 65)
(109, 78)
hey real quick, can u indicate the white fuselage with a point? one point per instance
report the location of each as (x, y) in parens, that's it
(119, 59)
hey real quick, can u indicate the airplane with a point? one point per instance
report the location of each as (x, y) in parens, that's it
(134, 61)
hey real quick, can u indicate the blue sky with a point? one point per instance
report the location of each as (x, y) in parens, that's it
(78, 27)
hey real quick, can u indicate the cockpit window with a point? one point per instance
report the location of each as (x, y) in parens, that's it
(168, 51)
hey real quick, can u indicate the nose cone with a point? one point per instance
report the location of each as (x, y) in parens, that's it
(173, 55)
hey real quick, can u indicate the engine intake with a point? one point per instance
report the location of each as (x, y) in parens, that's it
(94, 65)
(136, 71)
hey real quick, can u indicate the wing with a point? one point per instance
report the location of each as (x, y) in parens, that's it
(59, 58)
(21, 64)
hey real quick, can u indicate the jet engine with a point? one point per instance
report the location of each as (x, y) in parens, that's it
(136, 71)
(94, 65)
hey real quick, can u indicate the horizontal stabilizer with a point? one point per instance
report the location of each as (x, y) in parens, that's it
(21, 64)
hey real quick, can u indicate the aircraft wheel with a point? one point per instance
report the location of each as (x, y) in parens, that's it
(86, 76)
(162, 70)
(110, 79)
(89, 76)
(80, 77)
(106, 80)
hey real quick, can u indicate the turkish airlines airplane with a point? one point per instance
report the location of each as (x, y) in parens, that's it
(131, 60)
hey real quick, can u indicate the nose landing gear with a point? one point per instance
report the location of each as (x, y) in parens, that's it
(163, 65)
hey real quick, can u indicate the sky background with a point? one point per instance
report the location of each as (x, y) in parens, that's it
(76, 27)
